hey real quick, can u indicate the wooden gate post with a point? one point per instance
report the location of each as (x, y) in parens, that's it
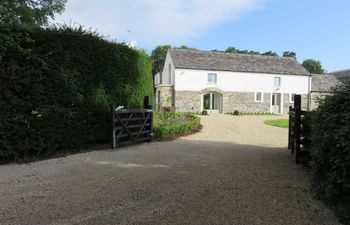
(147, 102)
(297, 127)
(290, 127)
(113, 126)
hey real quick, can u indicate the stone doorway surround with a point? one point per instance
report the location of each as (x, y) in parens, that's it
(215, 100)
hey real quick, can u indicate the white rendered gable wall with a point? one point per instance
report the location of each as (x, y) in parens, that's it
(165, 74)
(197, 80)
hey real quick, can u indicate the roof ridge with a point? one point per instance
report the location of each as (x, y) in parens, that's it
(235, 53)
(238, 62)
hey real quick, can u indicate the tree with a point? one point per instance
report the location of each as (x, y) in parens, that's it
(158, 58)
(232, 50)
(186, 47)
(270, 53)
(291, 54)
(238, 51)
(29, 12)
(313, 66)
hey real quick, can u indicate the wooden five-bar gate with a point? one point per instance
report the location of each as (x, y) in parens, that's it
(299, 131)
(132, 126)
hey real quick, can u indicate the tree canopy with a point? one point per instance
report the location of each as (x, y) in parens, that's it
(291, 54)
(29, 12)
(270, 53)
(236, 50)
(313, 66)
(158, 58)
(239, 51)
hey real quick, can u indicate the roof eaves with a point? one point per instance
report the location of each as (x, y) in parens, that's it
(239, 71)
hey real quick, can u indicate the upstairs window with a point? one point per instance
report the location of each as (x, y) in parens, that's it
(277, 82)
(212, 78)
(259, 97)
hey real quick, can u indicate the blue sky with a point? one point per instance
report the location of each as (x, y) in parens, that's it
(311, 28)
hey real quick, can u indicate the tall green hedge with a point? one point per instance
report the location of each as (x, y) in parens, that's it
(58, 86)
(330, 151)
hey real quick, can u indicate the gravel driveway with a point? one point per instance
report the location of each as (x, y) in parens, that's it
(235, 171)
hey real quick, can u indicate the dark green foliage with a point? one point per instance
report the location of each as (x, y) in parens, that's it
(290, 54)
(29, 13)
(204, 112)
(236, 113)
(58, 87)
(168, 125)
(270, 53)
(158, 58)
(330, 150)
(313, 66)
(236, 50)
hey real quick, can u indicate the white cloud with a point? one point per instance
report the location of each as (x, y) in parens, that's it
(155, 21)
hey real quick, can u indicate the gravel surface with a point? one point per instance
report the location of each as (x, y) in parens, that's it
(235, 171)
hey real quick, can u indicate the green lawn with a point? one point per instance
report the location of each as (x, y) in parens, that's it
(260, 114)
(254, 114)
(277, 123)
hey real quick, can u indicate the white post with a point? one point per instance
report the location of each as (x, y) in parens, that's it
(211, 102)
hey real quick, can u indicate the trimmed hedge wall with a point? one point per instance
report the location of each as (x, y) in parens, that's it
(168, 125)
(330, 151)
(58, 87)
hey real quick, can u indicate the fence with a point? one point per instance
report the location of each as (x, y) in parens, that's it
(299, 139)
(132, 126)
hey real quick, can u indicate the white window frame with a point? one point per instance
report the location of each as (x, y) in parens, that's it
(291, 97)
(262, 96)
(216, 78)
(280, 81)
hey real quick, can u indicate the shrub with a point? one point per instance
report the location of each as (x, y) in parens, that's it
(236, 112)
(58, 87)
(330, 150)
(168, 125)
(204, 112)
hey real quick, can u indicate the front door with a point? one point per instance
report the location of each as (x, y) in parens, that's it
(212, 103)
(276, 103)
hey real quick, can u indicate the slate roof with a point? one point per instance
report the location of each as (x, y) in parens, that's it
(221, 61)
(323, 82)
(342, 74)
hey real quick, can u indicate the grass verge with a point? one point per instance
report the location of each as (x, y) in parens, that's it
(284, 123)
(253, 114)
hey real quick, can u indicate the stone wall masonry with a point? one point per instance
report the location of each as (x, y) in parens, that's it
(315, 98)
(304, 102)
(188, 101)
(166, 96)
(287, 103)
(245, 102)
